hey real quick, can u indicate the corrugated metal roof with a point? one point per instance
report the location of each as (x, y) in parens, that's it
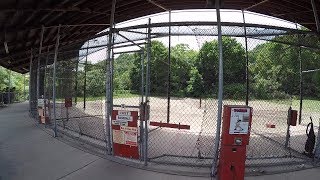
(21, 20)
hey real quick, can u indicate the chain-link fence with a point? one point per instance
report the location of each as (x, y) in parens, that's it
(168, 72)
(79, 96)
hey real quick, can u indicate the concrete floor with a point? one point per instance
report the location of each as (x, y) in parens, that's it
(27, 152)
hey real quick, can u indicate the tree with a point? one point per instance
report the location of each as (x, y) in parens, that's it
(195, 86)
(233, 63)
(4, 78)
(123, 66)
(182, 61)
(158, 69)
(95, 82)
(17, 82)
(276, 73)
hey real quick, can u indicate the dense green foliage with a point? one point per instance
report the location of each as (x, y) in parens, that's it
(273, 71)
(17, 83)
(233, 63)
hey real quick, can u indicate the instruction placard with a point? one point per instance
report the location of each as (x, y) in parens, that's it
(239, 121)
(118, 136)
(126, 135)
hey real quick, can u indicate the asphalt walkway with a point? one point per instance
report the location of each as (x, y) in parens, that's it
(27, 152)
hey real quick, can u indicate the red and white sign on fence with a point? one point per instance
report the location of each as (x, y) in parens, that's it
(125, 133)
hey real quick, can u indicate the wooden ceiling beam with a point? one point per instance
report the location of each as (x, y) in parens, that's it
(51, 10)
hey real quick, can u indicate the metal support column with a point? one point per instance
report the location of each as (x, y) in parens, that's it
(142, 75)
(301, 89)
(76, 83)
(108, 106)
(247, 58)
(220, 93)
(46, 99)
(24, 87)
(9, 88)
(142, 109)
(30, 72)
(85, 78)
(38, 67)
(54, 81)
(315, 13)
(301, 80)
(111, 83)
(169, 72)
(45, 75)
(287, 142)
(147, 91)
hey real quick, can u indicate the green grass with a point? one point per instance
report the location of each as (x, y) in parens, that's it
(95, 98)
(309, 105)
(126, 95)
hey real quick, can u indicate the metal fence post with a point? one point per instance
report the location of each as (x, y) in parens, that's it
(9, 88)
(46, 101)
(220, 93)
(142, 109)
(24, 87)
(301, 89)
(142, 75)
(111, 86)
(85, 78)
(54, 81)
(30, 74)
(108, 107)
(76, 83)
(38, 67)
(287, 142)
(247, 58)
(147, 91)
(301, 80)
(169, 72)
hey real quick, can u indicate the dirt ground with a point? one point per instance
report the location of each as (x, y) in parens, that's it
(195, 146)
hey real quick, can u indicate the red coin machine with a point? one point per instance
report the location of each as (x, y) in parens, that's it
(125, 133)
(234, 140)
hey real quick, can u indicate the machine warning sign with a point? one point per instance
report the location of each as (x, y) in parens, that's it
(122, 118)
(239, 122)
(131, 138)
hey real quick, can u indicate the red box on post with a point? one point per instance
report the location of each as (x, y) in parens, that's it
(294, 118)
(232, 163)
(234, 139)
(67, 102)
